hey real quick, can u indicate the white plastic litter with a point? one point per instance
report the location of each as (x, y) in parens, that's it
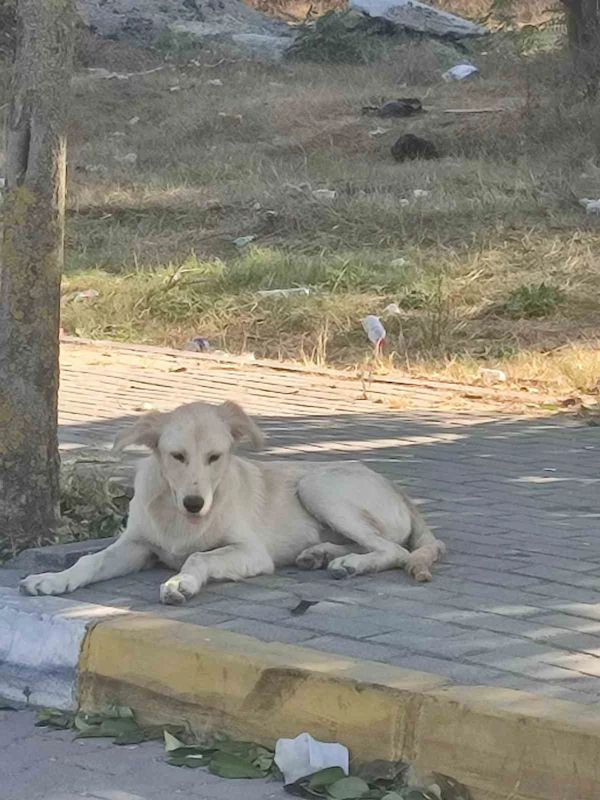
(215, 82)
(324, 194)
(393, 308)
(591, 206)
(86, 294)
(302, 756)
(301, 188)
(133, 121)
(404, 202)
(284, 292)
(243, 241)
(379, 131)
(492, 375)
(459, 72)
(128, 158)
(420, 193)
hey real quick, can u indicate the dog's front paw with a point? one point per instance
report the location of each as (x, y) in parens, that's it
(46, 583)
(178, 589)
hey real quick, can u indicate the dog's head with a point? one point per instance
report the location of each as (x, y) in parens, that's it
(193, 445)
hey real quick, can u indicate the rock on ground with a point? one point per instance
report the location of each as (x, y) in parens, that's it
(144, 21)
(419, 17)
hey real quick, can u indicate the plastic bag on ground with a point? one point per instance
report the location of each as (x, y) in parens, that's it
(459, 72)
(302, 756)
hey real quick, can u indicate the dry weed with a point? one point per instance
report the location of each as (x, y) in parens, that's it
(217, 162)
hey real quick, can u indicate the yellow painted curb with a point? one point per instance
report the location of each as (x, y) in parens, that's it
(505, 745)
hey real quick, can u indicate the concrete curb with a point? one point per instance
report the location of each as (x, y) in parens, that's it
(40, 647)
(501, 743)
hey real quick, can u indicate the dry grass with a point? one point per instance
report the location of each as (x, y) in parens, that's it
(218, 162)
(526, 12)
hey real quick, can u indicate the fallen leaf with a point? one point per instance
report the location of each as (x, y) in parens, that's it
(326, 777)
(191, 760)
(228, 765)
(450, 788)
(348, 789)
(172, 742)
(52, 718)
(110, 728)
(383, 771)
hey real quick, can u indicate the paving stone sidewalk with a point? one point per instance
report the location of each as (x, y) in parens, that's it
(515, 604)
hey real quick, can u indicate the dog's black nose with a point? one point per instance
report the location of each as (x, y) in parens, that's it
(193, 503)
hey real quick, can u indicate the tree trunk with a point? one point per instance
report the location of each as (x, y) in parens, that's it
(583, 30)
(30, 271)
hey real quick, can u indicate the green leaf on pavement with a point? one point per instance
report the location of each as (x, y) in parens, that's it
(172, 742)
(151, 733)
(450, 788)
(53, 718)
(190, 760)
(109, 728)
(381, 771)
(348, 789)
(325, 777)
(419, 794)
(228, 765)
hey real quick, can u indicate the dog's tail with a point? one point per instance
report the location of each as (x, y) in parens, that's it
(425, 548)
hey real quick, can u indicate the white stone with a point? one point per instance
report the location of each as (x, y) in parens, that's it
(419, 17)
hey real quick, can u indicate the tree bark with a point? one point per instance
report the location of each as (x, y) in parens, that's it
(30, 270)
(583, 30)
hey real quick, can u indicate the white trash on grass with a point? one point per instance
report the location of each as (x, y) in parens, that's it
(304, 290)
(379, 131)
(128, 158)
(459, 72)
(492, 375)
(393, 308)
(244, 241)
(86, 294)
(324, 194)
(297, 758)
(591, 206)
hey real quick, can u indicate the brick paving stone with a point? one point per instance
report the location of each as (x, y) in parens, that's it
(517, 602)
(266, 631)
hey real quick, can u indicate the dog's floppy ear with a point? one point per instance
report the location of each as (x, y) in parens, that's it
(144, 431)
(240, 424)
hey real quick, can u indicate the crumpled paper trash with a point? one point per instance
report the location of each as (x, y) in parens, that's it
(302, 756)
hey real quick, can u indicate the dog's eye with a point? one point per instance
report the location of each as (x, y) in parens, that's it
(178, 457)
(214, 457)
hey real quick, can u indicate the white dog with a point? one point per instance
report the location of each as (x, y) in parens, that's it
(214, 516)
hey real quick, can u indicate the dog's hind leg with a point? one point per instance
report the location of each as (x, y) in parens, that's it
(363, 507)
(425, 548)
